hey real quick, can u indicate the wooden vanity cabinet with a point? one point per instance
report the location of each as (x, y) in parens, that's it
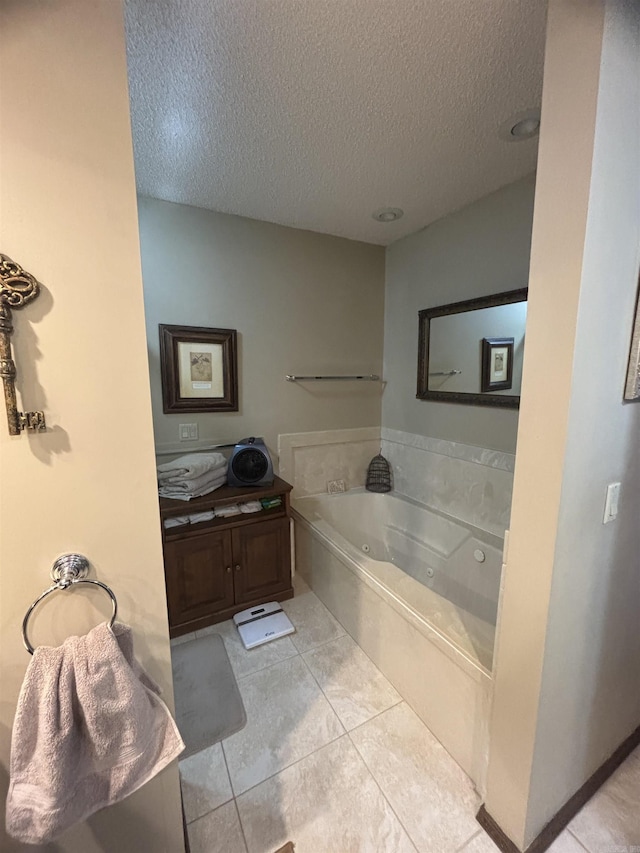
(217, 568)
(198, 576)
(262, 560)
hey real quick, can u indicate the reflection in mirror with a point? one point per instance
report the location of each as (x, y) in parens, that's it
(469, 346)
(456, 344)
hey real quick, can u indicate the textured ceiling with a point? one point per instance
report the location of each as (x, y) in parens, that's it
(314, 113)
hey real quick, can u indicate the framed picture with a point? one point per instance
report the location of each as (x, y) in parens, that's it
(632, 386)
(199, 369)
(497, 364)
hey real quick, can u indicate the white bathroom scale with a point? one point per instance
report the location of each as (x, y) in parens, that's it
(261, 624)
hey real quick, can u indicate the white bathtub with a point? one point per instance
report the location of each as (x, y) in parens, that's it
(419, 592)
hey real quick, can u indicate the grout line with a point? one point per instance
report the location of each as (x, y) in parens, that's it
(348, 634)
(272, 775)
(323, 643)
(383, 711)
(226, 764)
(351, 732)
(318, 599)
(239, 678)
(468, 841)
(184, 638)
(215, 808)
(378, 670)
(333, 740)
(226, 767)
(263, 668)
(297, 653)
(190, 823)
(293, 764)
(244, 837)
(378, 714)
(382, 793)
(326, 698)
(232, 797)
(439, 742)
(372, 662)
(575, 837)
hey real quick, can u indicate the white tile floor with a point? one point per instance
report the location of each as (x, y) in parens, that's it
(332, 759)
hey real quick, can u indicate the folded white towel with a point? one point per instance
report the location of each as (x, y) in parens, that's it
(197, 483)
(197, 517)
(216, 471)
(191, 465)
(178, 521)
(224, 511)
(178, 493)
(181, 496)
(90, 729)
(251, 506)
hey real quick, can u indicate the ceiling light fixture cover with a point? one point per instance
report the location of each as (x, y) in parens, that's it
(521, 126)
(388, 214)
(526, 127)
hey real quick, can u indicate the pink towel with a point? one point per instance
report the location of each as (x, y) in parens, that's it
(90, 729)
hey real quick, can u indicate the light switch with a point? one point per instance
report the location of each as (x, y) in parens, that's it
(188, 432)
(611, 502)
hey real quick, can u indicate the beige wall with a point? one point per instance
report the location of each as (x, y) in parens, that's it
(68, 214)
(302, 303)
(479, 250)
(567, 689)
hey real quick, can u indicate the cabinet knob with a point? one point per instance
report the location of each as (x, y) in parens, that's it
(228, 570)
(237, 568)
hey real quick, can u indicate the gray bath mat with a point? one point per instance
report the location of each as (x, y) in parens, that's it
(208, 703)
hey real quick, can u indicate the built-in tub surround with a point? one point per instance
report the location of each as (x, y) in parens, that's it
(472, 484)
(383, 565)
(445, 572)
(310, 460)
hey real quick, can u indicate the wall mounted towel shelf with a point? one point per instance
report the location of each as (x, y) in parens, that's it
(371, 377)
(445, 372)
(69, 569)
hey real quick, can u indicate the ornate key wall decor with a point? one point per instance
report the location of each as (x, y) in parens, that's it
(17, 288)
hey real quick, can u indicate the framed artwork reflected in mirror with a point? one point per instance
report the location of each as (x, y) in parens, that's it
(497, 364)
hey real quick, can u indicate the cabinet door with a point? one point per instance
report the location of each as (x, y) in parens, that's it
(199, 576)
(262, 560)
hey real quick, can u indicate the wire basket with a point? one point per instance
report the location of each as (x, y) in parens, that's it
(378, 475)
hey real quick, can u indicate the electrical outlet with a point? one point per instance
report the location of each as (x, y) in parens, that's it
(334, 487)
(188, 432)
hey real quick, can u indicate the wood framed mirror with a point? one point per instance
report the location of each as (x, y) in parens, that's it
(465, 347)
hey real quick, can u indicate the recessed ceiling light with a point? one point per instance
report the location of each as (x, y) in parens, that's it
(526, 127)
(388, 214)
(520, 127)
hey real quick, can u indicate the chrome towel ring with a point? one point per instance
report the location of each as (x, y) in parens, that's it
(67, 570)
